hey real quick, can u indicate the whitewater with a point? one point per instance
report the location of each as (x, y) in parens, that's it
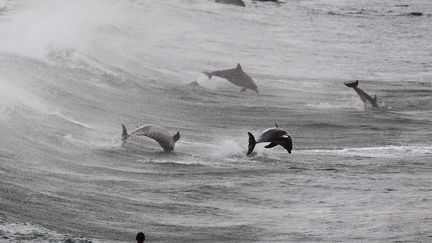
(71, 72)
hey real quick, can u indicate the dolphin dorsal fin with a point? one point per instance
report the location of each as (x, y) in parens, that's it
(176, 137)
(239, 67)
(276, 125)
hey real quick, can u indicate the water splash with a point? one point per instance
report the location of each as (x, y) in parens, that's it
(44, 26)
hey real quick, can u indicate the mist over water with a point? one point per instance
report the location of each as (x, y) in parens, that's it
(72, 71)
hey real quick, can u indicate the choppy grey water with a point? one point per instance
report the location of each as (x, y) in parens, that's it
(72, 71)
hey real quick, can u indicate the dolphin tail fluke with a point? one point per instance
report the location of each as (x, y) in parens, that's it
(252, 143)
(125, 134)
(209, 74)
(176, 137)
(352, 84)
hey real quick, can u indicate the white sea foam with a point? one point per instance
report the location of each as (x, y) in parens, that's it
(229, 148)
(47, 25)
(70, 119)
(26, 232)
(375, 152)
(325, 105)
(352, 103)
(12, 96)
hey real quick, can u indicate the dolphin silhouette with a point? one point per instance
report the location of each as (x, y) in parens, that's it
(276, 1)
(235, 76)
(363, 95)
(275, 136)
(159, 134)
(232, 2)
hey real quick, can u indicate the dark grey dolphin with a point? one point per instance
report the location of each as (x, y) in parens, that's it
(232, 2)
(363, 95)
(274, 136)
(160, 134)
(276, 1)
(235, 76)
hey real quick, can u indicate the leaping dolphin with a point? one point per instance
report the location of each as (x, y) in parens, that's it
(159, 134)
(275, 136)
(235, 76)
(363, 95)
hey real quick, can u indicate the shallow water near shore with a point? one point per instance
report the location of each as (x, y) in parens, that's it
(72, 72)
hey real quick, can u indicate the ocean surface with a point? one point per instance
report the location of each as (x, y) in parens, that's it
(71, 72)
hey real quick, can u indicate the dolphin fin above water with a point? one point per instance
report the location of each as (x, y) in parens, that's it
(252, 143)
(125, 134)
(176, 137)
(352, 84)
(363, 95)
(271, 145)
(209, 74)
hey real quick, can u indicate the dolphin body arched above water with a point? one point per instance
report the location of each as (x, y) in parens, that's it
(159, 134)
(363, 95)
(235, 76)
(274, 136)
(232, 2)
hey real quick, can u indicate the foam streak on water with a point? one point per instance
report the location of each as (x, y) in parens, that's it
(72, 71)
